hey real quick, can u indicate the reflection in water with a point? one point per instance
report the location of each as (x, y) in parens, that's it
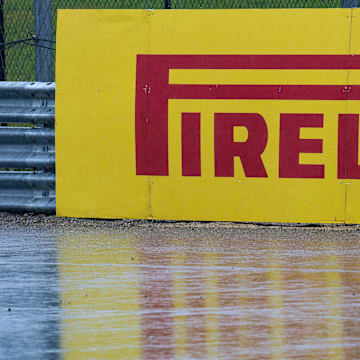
(276, 305)
(156, 304)
(161, 296)
(100, 298)
(29, 301)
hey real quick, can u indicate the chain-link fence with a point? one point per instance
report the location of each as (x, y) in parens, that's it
(28, 27)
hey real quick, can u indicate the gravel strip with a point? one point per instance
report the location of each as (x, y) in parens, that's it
(11, 220)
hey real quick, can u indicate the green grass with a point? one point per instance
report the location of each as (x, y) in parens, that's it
(19, 24)
(19, 21)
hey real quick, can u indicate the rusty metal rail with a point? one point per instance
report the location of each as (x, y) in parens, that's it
(27, 147)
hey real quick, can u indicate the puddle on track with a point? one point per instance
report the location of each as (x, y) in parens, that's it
(180, 293)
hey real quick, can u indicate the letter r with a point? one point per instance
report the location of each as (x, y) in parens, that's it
(248, 151)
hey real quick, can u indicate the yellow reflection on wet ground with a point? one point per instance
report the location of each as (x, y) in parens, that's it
(167, 293)
(100, 298)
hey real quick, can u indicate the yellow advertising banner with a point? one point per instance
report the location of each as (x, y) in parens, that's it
(235, 115)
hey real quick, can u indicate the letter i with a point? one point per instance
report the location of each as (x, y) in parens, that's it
(191, 152)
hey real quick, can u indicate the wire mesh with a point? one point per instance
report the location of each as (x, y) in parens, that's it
(28, 27)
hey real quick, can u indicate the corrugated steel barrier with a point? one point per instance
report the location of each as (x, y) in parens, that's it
(27, 147)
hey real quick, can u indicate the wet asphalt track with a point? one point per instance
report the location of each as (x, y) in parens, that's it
(128, 290)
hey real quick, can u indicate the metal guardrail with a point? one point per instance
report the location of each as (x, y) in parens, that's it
(27, 147)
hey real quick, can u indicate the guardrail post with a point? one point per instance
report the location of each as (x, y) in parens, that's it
(350, 3)
(43, 31)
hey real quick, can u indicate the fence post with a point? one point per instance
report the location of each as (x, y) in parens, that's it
(43, 31)
(350, 3)
(2, 41)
